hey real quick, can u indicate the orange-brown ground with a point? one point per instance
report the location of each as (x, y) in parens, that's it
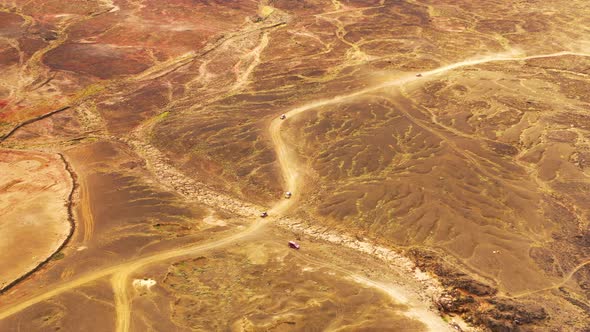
(474, 171)
(34, 194)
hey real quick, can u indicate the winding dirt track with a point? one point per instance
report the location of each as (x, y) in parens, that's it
(407, 78)
(292, 177)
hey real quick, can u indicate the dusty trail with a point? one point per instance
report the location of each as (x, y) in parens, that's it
(122, 305)
(288, 160)
(128, 267)
(411, 77)
(291, 173)
(86, 215)
(120, 279)
(292, 179)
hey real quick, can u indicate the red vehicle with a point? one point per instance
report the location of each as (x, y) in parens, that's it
(293, 244)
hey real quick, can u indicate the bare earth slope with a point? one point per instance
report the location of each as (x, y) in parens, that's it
(34, 196)
(437, 151)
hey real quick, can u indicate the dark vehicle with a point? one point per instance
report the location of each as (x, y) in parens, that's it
(293, 245)
(264, 214)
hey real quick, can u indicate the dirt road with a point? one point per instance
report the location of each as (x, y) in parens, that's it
(121, 277)
(292, 171)
(398, 81)
(127, 267)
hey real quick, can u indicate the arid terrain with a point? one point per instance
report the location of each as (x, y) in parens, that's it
(437, 152)
(35, 188)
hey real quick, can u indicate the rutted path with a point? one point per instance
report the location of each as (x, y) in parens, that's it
(188, 187)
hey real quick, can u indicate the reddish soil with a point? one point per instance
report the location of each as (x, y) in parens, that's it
(100, 60)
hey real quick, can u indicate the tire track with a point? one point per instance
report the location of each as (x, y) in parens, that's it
(86, 215)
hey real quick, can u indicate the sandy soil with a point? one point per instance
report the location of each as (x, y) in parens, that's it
(34, 194)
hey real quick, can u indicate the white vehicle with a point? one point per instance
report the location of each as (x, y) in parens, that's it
(283, 116)
(288, 194)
